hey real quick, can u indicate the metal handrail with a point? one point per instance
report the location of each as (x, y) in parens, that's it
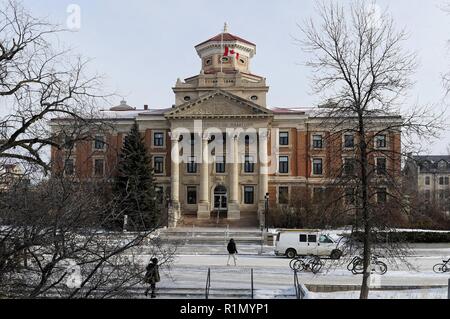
(299, 292)
(253, 289)
(297, 288)
(208, 283)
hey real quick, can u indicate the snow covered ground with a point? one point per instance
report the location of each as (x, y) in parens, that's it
(273, 277)
(440, 293)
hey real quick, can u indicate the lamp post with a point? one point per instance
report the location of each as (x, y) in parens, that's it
(125, 223)
(168, 205)
(266, 210)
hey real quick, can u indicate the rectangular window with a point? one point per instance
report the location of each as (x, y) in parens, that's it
(317, 166)
(349, 166)
(158, 139)
(284, 138)
(303, 238)
(249, 164)
(158, 165)
(99, 167)
(349, 196)
(318, 194)
(69, 167)
(192, 195)
(283, 195)
(381, 141)
(441, 180)
(441, 194)
(349, 141)
(249, 193)
(427, 180)
(159, 190)
(68, 143)
(427, 194)
(220, 164)
(381, 195)
(192, 165)
(317, 141)
(312, 238)
(99, 143)
(446, 180)
(283, 164)
(381, 166)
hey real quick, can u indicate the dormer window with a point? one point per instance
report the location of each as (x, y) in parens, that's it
(187, 98)
(254, 98)
(241, 61)
(225, 59)
(442, 165)
(208, 62)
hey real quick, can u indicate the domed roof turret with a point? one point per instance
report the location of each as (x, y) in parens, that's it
(226, 53)
(122, 107)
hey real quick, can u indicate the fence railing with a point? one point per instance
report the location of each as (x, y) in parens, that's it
(208, 284)
(253, 289)
(300, 290)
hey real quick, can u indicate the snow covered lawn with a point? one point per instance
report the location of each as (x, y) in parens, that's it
(438, 293)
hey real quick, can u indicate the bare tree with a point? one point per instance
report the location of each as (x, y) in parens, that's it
(446, 77)
(362, 70)
(49, 227)
(59, 226)
(39, 81)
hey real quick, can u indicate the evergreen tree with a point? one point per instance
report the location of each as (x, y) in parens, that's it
(134, 184)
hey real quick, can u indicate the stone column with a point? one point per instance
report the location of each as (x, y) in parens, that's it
(204, 211)
(263, 174)
(234, 211)
(174, 209)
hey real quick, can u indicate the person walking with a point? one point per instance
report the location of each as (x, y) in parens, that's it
(152, 277)
(232, 251)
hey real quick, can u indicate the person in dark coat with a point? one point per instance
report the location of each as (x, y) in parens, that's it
(152, 277)
(232, 251)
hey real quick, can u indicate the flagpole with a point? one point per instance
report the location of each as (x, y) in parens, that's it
(221, 47)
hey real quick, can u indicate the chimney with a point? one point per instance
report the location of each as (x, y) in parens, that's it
(146, 107)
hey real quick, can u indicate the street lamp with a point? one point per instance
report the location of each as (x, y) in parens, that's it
(266, 210)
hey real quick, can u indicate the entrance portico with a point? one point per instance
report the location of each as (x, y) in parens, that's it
(226, 139)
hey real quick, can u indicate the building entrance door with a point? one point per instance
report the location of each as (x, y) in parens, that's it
(220, 199)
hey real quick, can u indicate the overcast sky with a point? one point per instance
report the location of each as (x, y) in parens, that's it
(144, 46)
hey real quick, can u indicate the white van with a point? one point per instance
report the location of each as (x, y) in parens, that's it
(298, 242)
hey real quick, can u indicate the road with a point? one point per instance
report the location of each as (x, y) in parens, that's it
(272, 272)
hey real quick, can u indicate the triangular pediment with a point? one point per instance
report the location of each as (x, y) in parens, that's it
(219, 104)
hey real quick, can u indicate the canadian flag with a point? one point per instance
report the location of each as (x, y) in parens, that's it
(229, 52)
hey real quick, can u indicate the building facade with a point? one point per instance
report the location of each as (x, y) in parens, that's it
(220, 147)
(429, 178)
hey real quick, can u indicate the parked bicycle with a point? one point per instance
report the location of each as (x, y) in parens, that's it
(441, 268)
(356, 265)
(311, 263)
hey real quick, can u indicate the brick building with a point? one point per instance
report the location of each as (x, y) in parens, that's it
(220, 147)
(428, 176)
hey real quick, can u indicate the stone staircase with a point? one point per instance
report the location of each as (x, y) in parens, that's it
(213, 240)
(137, 292)
(247, 220)
(223, 293)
